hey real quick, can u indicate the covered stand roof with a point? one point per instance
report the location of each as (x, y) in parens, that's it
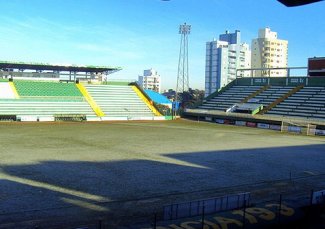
(51, 67)
(157, 98)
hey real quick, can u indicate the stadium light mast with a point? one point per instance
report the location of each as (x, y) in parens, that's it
(182, 76)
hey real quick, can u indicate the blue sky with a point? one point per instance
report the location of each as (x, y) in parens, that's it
(143, 34)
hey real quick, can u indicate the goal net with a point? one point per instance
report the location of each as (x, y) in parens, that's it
(298, 128)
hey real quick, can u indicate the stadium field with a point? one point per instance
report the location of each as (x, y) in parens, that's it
(52, 173)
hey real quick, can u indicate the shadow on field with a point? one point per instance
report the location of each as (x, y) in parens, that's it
(52, 188)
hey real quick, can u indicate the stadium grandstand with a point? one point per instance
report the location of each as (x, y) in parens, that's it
(44, 92)
(267, 102)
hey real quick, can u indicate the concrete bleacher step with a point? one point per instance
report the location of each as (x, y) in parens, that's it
(309, 108)
(319, 96)
(304, 93)
(230, 101)
(217, 105)
(313, 105)
(313, 88)
(269, 100)
(304, 103)
(319, 115)
(300, 96)
(31, 107)
(292, 100)
(226, 102)
(307, 112)
(290, 103)
(261, 97)
(234, 94)
(301, 114)
(217, 100)
(282, 109)
(277, 112)
(214, 107)
(315, 102)
(286, 106)
(115, 99)
(225, 98)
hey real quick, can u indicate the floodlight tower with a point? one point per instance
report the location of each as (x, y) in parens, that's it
(182, 76)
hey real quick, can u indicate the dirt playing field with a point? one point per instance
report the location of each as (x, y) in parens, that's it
(68, 172)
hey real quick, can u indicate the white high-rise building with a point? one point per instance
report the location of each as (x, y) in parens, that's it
(223, 58)
(269, 52)
(150, 80)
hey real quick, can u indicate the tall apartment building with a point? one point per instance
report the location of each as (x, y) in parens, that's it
(223, 58)
(150, 80)
(269, 52)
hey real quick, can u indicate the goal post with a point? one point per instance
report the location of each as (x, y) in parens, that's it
(311, 130)
(298, 128)
(284, 126)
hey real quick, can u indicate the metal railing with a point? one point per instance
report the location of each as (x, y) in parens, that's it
(270, 72)
(209, 206)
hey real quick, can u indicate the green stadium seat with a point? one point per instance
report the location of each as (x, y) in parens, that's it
(38, 98)
(46, 89)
